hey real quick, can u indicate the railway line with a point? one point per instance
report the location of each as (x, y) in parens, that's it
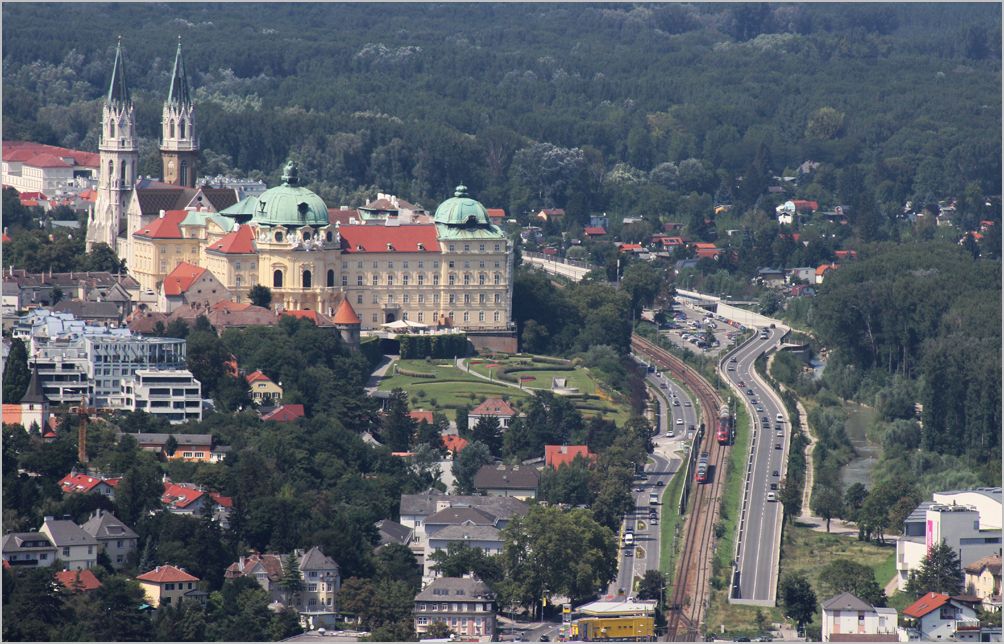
(687, 604)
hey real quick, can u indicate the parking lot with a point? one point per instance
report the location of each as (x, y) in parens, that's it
(698, 330)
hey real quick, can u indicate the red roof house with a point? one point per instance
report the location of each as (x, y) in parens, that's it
(495, 214)
(454, 443)
(236, 242)
(420, 414)
(166, 574)
(704, 249)
(846, 254)
(630, 248)
(284, 413)
(594, 231)
(557, 455)
(805, 205)
(78, 580)
(185, 498)
(74, 483)
(181, 278)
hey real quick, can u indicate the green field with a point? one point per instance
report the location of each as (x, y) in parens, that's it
(671, 523)
(451, 388)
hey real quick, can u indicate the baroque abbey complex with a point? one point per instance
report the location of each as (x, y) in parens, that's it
(388, 261)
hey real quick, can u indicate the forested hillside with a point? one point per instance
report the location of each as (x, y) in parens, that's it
(633, 109)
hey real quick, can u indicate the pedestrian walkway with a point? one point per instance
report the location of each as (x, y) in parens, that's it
(462, 365)
(373, 384)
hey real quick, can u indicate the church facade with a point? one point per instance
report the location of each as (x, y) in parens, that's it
(454, 269)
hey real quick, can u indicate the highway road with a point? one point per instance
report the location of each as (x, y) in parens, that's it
(759, 546)
(674, 404)
(574, 273)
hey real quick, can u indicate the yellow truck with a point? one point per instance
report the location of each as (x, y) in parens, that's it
(621, 629)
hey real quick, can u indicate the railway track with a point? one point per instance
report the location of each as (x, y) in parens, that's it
(687, 604)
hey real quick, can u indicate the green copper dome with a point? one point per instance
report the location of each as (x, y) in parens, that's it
(461, 210)
(290, 204)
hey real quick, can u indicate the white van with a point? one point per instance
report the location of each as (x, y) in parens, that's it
(780, 418)
(653, 498)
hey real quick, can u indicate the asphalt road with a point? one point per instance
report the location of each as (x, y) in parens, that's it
(663, 463)
(758, 556)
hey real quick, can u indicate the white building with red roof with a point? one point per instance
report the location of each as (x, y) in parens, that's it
(493, 408)
(937, 616)
(191, 284)
(190, 499)
(557, 455)
(78, 483)
(30, 167)
(168, 585)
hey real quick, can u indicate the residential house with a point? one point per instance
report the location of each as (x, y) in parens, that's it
(192, 448)
(630, 248)
(74, 547)
(169, 585)
(467, 606)
(186, 498)
(508, 480)
(115, 538)
(706, 250)
(493, 407)
(97, 313)
(77, 483)
(845, 254)
(806, 206)
(28, 549)
(983, 579)
(823, 269)
(969, 521)
(263, 390)
(599, 221)
(190, 284)
(770, 277)
(804, 274)
(594, 232)
(417, 510)
(496, 215)
(393, 532)
(849, 619)
(78, 581)
(321, 582)
(24, 290)
(421, 415)
(936, 616)
(284, 414)
(557, 455)
(484, 537)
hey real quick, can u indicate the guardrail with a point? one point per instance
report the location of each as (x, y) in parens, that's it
(560, 260)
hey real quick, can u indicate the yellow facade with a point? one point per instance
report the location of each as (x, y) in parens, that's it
(170, 593)
(153, 259)
(594, 629)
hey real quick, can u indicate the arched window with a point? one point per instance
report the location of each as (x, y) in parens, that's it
(111, 171)
(277, 279)
(329, 236)
(306, 235)
(171, 130)
(181, 129)
(307, 279)
(278, 237)
(111, 129)
(183, 178)
(331, 277)
(122, 172)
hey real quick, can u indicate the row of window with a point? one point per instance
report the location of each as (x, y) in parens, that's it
(468, 298)
(405, 265)
(180, 585)
(307, 279)
(496, 317)
(461, 607)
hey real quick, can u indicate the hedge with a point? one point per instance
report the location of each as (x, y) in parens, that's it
(414, 374)
(450, 345)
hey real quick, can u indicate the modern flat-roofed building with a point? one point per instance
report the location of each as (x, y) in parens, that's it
(173, 394)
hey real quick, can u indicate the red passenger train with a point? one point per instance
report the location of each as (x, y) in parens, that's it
(725, 426)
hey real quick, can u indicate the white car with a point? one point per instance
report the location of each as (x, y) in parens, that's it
(671, 434)
(771, 496)
(679, 421)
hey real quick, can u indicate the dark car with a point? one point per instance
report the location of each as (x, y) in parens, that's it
(776, 473)
(544, 638)
(773, 486)
(777, 446)
(660, 483)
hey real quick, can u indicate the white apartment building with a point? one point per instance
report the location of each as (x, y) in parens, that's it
(969, 521)
(173, 394)
(76, 360)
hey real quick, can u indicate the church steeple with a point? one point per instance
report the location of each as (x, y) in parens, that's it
(179, 92)
(119, 156)
(118, 92)
(179, 148)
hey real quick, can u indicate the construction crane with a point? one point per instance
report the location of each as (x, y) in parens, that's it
(82, 411)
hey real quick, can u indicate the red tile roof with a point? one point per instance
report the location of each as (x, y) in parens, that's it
(89, 195)
(82, 483)
(284, 414)
(166, 227)
(495, 213)
(493, 407)
(47, 161)
(825, 267)
(6, 237)
(454, 443)
(257, 375)
(629, 247)
(346, 314)
(166, 574)
(926, 604)
(402, 239)
(181, 495)
(845, 254)
(804, 204)
(25, 150)
(78, 580)
(594, 231)
(33, 195)
(557, 455)
(181, 278)
(420, 414)
(237, 242)
(341, 216)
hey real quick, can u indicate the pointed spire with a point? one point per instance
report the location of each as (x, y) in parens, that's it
(34, 392)
(117, 91)
(179, 92)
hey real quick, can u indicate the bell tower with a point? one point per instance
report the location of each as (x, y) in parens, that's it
(117, 150)
(179, 149)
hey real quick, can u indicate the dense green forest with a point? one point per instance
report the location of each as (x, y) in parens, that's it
(633, 109)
